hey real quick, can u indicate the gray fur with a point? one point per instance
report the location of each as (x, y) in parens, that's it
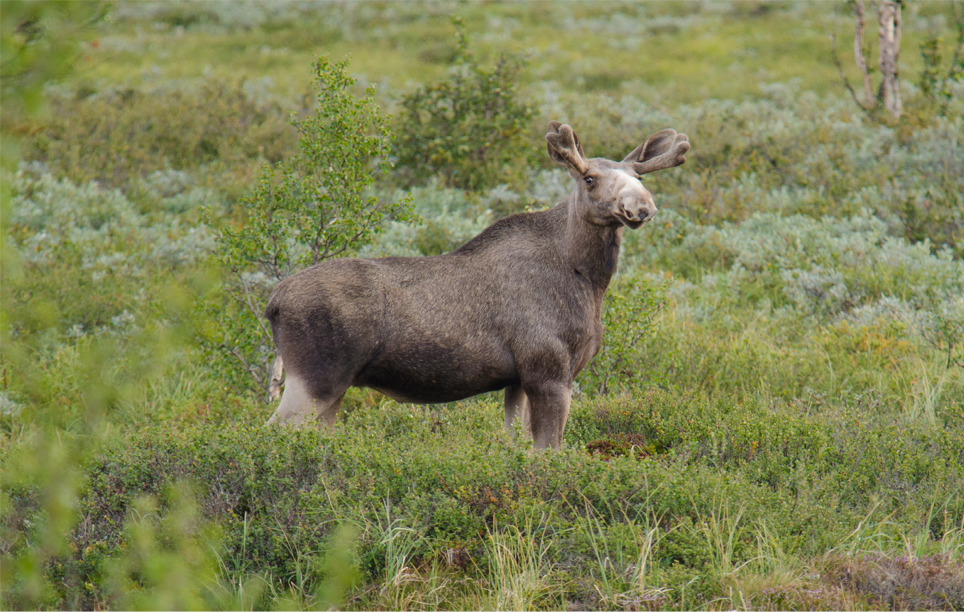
(516, 308)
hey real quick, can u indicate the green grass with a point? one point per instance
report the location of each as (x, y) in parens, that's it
(713, 55)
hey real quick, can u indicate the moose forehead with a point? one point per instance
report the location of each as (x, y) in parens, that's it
(620, 176)
(602, 166)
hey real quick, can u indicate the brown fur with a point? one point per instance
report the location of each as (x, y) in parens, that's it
(516, 308)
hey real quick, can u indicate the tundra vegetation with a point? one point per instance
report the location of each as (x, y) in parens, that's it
(775, 421)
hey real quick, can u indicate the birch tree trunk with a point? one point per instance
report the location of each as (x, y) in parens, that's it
(888, 13)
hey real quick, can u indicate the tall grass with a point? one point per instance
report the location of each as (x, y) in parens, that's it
(519, 573)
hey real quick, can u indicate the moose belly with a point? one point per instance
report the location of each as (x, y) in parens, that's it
(437, 373)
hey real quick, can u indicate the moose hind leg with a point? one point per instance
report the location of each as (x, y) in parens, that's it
(300, 405)
(516, 409)
(277, 379)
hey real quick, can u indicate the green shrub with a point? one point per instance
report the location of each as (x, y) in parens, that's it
(95, 271)
(119, 135)
(243, 16)
(306, 209)
(731, 478)
(470, 129)
(39, 44)
(94, 254)
(935, 81)
(628, 312)
(799, 307)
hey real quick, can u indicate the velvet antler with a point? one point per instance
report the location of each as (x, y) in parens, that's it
(564, 147)
(664, 149)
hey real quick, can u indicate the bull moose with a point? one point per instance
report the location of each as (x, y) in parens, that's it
(517, 308)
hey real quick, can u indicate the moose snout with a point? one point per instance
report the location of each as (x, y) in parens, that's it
(637, 211)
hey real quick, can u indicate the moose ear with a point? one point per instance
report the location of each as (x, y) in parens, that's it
(664, 149)
(564, 147)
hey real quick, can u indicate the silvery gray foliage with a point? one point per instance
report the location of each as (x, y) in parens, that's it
(9, 407)
(168, 183)
(433, 199)
(464, 215)
(447, 210)
(545, 188)
(790, 152)
(818, 290)
(104, 225)
(216, 15)
(889, 308)
(500, 196)
(631, 24)
(396, 240)
(804, 270)
(61, 210)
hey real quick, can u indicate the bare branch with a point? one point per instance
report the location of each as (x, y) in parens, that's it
(255, 371)
(254, 305)
(843, 75)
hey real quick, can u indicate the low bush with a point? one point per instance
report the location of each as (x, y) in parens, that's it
(715, 480)
(469, 129)
(120, 135)
(83, 249)
(629, 309)
(792, 152)
(311, 207)
(934, 582)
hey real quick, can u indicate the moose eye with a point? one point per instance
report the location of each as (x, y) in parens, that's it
(590, 181)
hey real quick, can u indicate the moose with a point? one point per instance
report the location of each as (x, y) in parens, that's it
(517, 308)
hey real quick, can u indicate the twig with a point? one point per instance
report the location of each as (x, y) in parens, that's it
(251, 303)
(641, 328)
(843, 75)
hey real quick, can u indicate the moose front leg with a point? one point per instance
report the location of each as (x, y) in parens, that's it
(548, 411)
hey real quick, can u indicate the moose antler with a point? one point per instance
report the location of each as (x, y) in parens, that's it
(564, 147)
(664, 149)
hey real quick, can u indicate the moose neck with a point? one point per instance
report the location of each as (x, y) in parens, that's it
(592, 250)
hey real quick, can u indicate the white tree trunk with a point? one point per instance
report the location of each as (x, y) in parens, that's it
(888, 13)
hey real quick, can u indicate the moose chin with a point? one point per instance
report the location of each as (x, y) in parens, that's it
(517, 308)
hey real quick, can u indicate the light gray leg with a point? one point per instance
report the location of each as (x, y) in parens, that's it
(298, 406)
(277, 378)
(516, 406)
